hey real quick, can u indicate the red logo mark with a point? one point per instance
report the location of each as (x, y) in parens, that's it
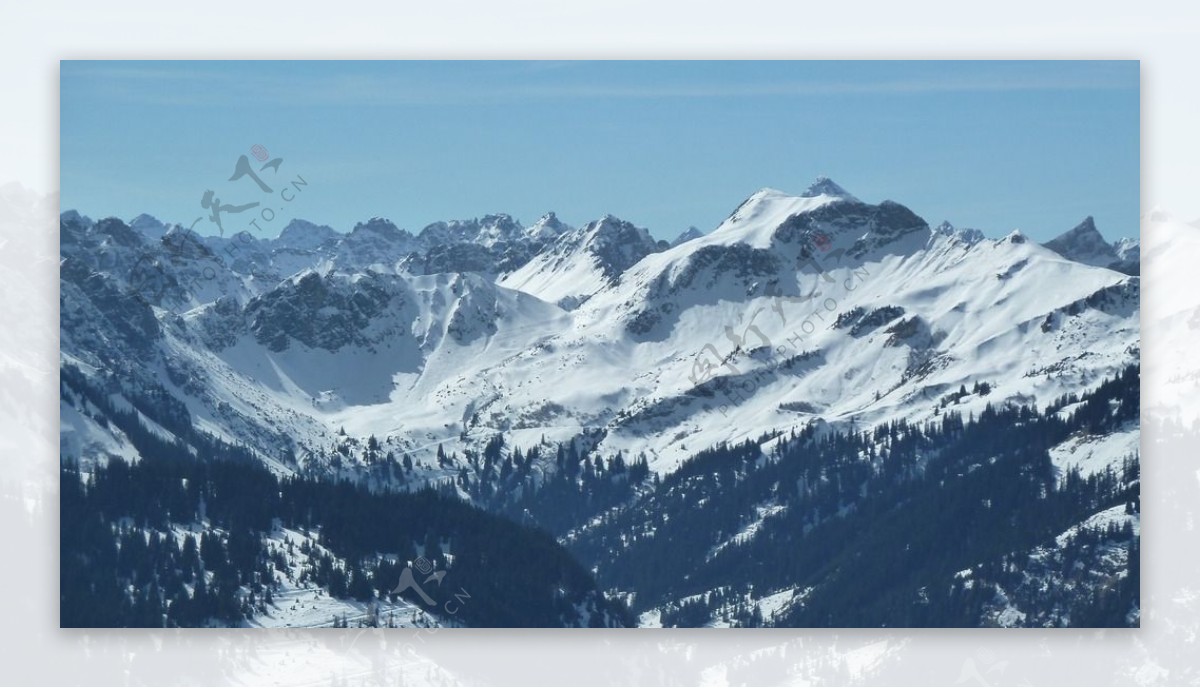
(822, 241)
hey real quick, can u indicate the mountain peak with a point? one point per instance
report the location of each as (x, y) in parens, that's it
(497, 227)
(967, 236)
(1082, 243)
(767, 192)
(486, 231)
(145, 219)
(824, 186)
(497, 219)
(691, 233)
(302, 232)
(74, 217)
(547, 227)
(583, 261)
(380, 229)
(609, 226)
(1127, 248)
(377, 224)
(757, 219)
(149, 226)
(376, 241)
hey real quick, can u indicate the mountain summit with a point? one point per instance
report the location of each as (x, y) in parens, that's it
(824, 186)
(582, 262)
(688, 235)
(1085, 244)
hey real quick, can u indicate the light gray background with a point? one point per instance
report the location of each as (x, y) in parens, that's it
(1165, 36)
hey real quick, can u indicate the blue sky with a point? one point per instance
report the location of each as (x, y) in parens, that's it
(666, 145)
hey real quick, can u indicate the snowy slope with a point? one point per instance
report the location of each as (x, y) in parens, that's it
(583, 262)
(797, 309)
(683, 319)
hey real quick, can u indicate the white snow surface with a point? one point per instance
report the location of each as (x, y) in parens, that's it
(459, 358)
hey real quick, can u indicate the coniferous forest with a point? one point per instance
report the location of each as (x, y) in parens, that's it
(948, 523)
(882, 525)
(183, 537)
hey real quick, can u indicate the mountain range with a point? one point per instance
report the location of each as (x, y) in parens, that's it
(479, 346)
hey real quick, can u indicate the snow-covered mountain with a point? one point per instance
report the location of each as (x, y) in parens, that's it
(149, 226)
(813, 313)
(1085, 244)
(491, 245)
(687, 235)
(583, 262)
(796, 309)
(301, 235)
